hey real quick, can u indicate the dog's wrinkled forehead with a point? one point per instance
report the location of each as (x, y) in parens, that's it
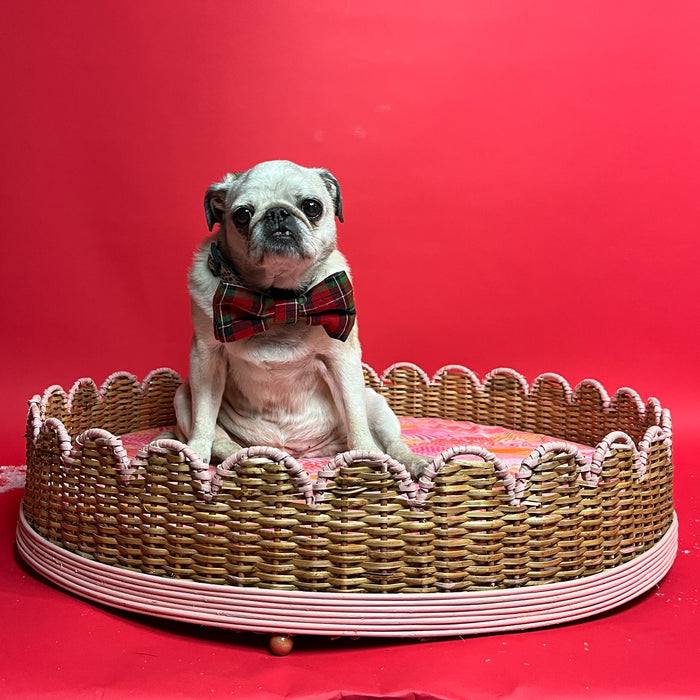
(276, 182)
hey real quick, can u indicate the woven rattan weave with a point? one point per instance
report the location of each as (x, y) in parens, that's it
(363, 526)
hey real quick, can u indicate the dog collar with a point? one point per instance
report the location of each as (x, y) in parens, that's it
(219, 267)
(240, 312)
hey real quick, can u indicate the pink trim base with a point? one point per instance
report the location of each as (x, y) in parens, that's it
(349, 614)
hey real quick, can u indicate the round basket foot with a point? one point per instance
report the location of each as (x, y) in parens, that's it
(281, 644)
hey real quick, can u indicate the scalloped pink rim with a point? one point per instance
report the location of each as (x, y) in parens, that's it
(211, 478)
(349, 614)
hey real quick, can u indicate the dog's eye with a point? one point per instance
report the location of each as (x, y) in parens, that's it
(312, 208)
(242, 216)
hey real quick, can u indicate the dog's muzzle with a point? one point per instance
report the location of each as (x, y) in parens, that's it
(281, 233)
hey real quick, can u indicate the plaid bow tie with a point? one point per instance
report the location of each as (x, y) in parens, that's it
(240, 312)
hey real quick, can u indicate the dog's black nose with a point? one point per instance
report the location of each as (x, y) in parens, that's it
(278, 216)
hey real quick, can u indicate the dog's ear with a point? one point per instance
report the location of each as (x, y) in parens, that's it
(334, 188)
(215, 199)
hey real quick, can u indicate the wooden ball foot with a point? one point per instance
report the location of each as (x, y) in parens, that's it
(281, 644)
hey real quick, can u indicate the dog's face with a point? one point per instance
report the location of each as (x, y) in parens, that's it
(277, 220)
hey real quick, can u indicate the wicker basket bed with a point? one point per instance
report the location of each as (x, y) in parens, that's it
(256, 544)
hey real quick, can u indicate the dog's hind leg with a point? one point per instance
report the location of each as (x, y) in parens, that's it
(183, 411)
(223, 446)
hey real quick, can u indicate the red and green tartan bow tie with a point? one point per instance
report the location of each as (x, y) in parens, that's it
(240, 312)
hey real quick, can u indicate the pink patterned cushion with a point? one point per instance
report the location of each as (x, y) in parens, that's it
(426, 436)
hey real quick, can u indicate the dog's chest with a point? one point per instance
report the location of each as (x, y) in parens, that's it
(286, 404)
(278, 380)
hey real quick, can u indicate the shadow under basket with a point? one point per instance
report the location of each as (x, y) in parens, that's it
(257, 544)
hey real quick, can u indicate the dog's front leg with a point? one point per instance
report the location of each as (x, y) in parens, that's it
(347, 385)
(207, 382)
(370, 423)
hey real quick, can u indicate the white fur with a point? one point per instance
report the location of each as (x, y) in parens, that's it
(293, 386)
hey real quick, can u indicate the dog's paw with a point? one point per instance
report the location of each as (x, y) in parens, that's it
(223, 447)
(416, 464)
(202, 448)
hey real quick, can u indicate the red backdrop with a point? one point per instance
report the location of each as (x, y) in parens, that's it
(520, 179)
(520, 182)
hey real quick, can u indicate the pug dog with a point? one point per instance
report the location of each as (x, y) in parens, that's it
(275, 357)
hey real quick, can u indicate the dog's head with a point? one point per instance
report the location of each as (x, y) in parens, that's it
(277, 220)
